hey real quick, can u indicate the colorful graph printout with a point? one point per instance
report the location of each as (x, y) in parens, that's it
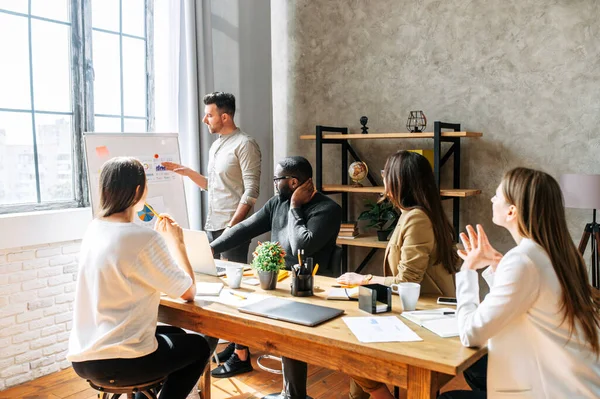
(145, 217)
(155, 172)
(146, 214)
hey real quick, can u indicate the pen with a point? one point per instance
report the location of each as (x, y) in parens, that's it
(434, 312)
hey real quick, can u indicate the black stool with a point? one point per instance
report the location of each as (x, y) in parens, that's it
(148, 389)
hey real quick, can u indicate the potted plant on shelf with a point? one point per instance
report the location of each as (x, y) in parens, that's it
(269, 258)
(382, 216)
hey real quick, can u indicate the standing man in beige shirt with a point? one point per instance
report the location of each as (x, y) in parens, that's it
(232, 182)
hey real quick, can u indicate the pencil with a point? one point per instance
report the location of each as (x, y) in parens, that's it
(299, 259)
(314, 273)
(151, 209)
(238, 295)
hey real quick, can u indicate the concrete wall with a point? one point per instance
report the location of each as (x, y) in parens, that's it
(241, 37)
(526, 73)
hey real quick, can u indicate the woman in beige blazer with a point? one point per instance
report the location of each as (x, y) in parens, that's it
(421, 248)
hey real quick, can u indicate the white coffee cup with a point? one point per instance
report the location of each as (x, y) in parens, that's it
(409, 294)
(234, 275)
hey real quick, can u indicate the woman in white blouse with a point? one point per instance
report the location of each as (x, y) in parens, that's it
(123, 268)
(541, 319)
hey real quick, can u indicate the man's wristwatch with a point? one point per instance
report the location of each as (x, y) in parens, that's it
(367, 278)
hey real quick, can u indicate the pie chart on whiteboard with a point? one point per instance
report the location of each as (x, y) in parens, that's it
(146, 214)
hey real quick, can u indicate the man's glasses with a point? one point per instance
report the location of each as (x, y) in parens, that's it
(276, 179)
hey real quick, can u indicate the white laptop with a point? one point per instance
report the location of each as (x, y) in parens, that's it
(200, 254)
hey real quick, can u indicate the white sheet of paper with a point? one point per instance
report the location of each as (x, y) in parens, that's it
(208, 289)
(380, 329)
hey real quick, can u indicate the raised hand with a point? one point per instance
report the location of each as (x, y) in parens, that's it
(478, 252)
(303, 194)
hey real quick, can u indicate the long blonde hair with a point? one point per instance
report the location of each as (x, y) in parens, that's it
(541, 217)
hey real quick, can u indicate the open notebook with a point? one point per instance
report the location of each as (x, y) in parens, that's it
(343, 294)
(444, 325)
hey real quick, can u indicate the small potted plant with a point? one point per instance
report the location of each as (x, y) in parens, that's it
(382, 216)
(269, 258)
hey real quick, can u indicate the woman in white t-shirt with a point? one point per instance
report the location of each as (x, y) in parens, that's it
(123, 268)
(541, 319)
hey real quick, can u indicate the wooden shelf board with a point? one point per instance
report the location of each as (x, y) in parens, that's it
(363, 240)
(445, 192)
(370, 136)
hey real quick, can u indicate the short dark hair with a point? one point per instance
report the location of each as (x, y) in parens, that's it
(119, 179)
(225, 102)
(298, 167)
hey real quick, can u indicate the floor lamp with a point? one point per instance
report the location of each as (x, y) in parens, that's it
(583, 192)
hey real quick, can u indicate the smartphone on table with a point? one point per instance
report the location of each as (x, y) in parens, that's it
(446, 301)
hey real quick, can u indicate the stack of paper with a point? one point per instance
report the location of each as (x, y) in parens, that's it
(442, 321)
(209, 289)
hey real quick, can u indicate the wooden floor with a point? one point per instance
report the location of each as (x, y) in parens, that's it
(322, 384)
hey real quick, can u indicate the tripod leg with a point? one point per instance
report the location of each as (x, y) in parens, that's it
(596, 263)
(584, 240)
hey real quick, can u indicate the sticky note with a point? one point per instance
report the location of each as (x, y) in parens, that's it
(102, 151)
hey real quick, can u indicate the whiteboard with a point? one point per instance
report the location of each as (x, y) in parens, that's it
(166, 193)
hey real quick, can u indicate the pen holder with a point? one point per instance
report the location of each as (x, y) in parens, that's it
(302, 285)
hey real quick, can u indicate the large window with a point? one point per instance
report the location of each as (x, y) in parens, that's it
(68, 66)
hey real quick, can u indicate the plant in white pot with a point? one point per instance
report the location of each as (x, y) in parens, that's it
(269, 258)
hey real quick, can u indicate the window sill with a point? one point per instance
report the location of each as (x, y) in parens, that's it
(43, 227)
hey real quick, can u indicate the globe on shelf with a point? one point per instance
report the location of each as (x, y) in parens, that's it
(357, 172)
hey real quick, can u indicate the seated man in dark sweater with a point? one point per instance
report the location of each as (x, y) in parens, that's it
(298, 217)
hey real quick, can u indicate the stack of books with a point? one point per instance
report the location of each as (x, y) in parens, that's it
(348, 230)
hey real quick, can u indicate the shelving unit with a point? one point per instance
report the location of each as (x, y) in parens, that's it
(339, 135)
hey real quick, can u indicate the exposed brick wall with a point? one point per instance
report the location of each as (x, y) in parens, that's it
(37, 288)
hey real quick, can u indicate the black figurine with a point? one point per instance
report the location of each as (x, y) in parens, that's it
(363, 122)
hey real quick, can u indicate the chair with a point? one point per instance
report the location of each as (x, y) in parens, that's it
(149, 389)
(336, 259)
(335, 264)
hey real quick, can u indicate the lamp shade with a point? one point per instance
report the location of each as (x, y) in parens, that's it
(581, 191)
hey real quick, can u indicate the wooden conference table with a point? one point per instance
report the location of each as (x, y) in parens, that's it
(421, 368)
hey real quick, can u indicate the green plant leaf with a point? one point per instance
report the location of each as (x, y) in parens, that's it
(268, 256)
(379, 214)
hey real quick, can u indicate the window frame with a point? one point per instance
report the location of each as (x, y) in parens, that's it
(82, 98)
